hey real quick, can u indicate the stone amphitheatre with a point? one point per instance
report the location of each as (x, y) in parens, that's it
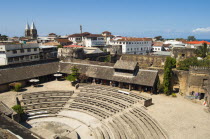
(92, 111)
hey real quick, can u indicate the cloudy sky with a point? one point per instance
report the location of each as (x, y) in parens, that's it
(137, 18)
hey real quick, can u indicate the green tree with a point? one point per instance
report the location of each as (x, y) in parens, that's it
(18, 109)
(191, 38)
(202, 51)
(3, 38)
(169, 64)
(107, 58)
(74, 74)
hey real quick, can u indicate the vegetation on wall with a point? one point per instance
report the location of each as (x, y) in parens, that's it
(169, 64)
(193, 61)
(202, 52)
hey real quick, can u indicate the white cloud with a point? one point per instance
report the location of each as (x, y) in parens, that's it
(202, 30)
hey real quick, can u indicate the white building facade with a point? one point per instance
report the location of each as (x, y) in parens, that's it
(133, 45)
(91, 40)
(18, 53)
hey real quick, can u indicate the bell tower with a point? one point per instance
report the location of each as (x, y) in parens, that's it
(27, 31)
(33, 31)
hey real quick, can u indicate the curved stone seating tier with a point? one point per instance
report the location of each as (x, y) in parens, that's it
(98, 104)
(44, 105)
(111, 100)
(41, 116)
(105, 132)
(46, 94)
(132, 97)
(151, 124)
(111, 94)
(43, 111)
(92, 109)
(126, 128)
(41, 100)
(120, 129)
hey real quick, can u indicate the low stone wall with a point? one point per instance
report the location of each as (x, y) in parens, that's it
(146, 60)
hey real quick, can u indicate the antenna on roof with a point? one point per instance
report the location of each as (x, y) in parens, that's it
(81, 28)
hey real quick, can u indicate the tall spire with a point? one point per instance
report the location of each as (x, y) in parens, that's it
(33, 26)
(27, 26)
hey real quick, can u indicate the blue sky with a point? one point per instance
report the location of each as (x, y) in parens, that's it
(137, 18)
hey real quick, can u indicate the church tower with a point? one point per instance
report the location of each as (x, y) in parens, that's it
(27, 31)
(33, 31)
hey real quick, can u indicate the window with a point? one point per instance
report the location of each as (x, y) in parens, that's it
(129, 42)
(22, 50)
(128, 49)
(131, 49)
(28, 50)
(2, 52)
(14, 51)
(123, 42)
(35, 49)
(10, 59)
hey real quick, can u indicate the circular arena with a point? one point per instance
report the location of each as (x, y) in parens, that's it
(91, 112)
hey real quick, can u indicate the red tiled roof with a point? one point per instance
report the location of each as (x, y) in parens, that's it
(106, 32)
(62, 40)
(198, 42)
(157, 43)
(73, 46)
(79, 34)
(94, 35)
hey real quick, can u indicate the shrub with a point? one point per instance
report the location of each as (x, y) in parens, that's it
(16, 86)
(173, 95)
(18, 109)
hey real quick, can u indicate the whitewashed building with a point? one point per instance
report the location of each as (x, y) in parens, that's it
(18, 53)
(133, 45)
(91, 40)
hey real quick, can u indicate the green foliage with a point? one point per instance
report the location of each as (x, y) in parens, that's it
(74, 75)
(191, 38)
(159, 38)
(59, 46)
(202, 51)
(18, 109)
(173, 95)
(169, 64)
(107, 58)
(71, 78)
(193, 61)
(179, 39)
(16, 86)
(3, 38)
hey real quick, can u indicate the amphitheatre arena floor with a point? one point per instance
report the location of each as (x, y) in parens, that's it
(180, 118)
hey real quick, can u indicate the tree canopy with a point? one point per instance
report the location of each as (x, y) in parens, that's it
(191, 38)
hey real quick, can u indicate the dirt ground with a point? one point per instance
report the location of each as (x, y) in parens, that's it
(181, 118)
